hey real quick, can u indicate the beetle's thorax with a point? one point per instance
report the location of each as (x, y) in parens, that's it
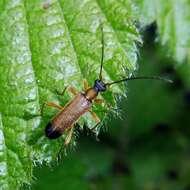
(92, 93)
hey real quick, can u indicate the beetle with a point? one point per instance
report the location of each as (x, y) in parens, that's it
(81, 103)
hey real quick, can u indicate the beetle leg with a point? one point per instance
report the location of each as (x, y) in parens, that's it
(73, 90)
(99, 101)
(69, 136)
(94, 127)
(66, 142)
(51, 104)
(85, 84)
(96, 119)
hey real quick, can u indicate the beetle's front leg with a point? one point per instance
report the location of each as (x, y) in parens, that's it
(71, 89)
(74, 91)
(85, 84)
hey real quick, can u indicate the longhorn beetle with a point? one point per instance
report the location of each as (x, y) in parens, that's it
(81, 103)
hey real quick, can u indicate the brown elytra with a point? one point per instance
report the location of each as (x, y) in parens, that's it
(81, 104)
(64, 120)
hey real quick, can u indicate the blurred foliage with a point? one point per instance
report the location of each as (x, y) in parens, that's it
(172, 18)
(173, 21)
(148, 149)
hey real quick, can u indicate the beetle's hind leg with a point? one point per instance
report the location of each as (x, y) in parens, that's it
(66, 142)
(96, 119)
(69, 136)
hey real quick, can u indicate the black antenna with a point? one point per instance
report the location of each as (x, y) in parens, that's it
(138, 78)
(102, 57)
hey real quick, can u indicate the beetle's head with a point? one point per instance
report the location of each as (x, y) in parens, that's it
(99, 86)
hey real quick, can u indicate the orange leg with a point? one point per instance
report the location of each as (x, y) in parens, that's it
(99, 101)
(66, 142)
(85, 84)
(51, 104)
(69, 136)
(96, 119)
(73, 90)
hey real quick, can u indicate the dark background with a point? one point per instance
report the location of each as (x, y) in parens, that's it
(148, 148)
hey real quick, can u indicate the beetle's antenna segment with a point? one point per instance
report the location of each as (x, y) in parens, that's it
(139, 78)
(102, 57)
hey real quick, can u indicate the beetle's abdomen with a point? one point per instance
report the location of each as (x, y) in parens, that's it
(66, 118)
(51, 132)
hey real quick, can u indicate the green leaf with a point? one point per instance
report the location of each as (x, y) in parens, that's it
(46, 46)
(173, 21)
